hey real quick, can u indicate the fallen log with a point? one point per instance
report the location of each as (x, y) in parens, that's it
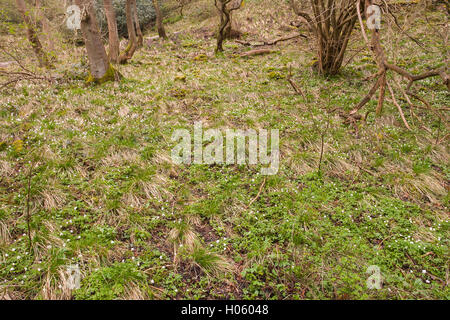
(256, 52)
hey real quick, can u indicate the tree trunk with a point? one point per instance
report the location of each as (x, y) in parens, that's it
(225, 26)
(113, 35)
(159, 23)
(384, 66)
(229, 27)
(232, 29)
(127, 54)
(101, 69)
(40, 16)
(32, 35)
(140, 37)
(332, 23)
(181, 4)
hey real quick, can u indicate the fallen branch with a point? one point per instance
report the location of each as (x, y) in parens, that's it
(256, 52)
(384, 67)
(294, 85)
(443, 139)
(322, 145)
(402, 115)
(24, 75)
(28, 212)
(259, 192)
(262, 43)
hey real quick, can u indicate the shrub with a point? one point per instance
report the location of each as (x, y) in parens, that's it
(8, 12)
(8, 15)
(146, 14)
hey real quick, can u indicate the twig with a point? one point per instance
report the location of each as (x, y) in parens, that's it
(259, 192)
(26, 74)
(443, 138)
(384, 67)
(322, 143)
(363, 31)
(398, 107)
(394, 18)
(297, 89)
(28, 216)
(439, 131)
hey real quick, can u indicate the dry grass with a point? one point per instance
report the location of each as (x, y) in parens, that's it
(106, 181)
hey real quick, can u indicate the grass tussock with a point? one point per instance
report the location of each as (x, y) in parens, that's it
(105, 195)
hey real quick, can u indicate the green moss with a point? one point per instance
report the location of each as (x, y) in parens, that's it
(108, 76)
(125, 55)
(127, 49)
(17, 146)
(109, 192)
(275, 75)
(201, 57)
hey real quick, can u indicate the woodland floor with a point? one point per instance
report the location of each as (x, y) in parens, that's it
(106, 196)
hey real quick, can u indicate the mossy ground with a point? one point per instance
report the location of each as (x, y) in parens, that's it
(106, 196)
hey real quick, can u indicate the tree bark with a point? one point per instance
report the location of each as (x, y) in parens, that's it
(127, 54)
(40, 16)
(101, 69)
(225, 24)
(113, 34)
(383, 67)
(332, 23)
(140, 37)
(32, 35)
(159, 23)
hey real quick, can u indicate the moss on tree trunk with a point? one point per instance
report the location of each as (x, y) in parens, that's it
(111, 75)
